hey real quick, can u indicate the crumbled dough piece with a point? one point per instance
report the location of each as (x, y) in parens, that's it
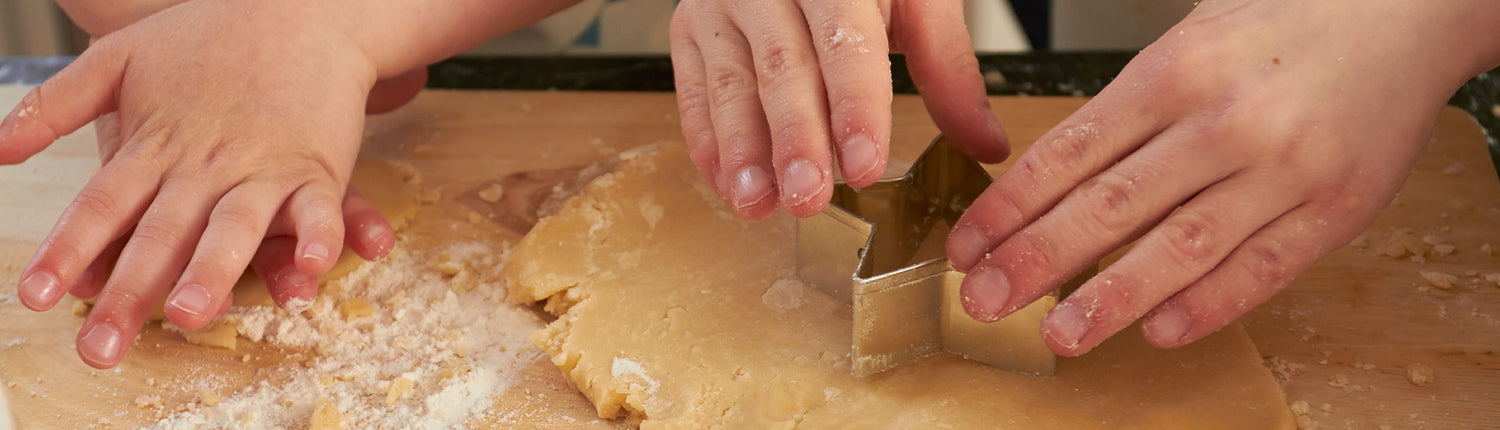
(1439, 279)
(1493, 278)
(1402, 243)
(217, 334)
(430, 196)
(399, 388)
(1325, 407)
(475, 218)
(1301, 407)
(81, 309)
(1487, 250)
(1339, 380)
(1360, 241)
(1420, 374)
(492, 194)
(326, 417)
(148, 401)
(355, 308)
(209, 398)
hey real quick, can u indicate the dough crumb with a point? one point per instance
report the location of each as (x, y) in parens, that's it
(355, 308)
(475, 218)
(1325, 407)
(1454, 169)
(81, 309)
(1301, 407)
(399, 388)
(1339, 381)
(1489, 251)
(492, 194)
(148, 401)
(784, 295)
(1440, 280)
(1401, 244)
(326, 417)
(1420, 374)
(217, 334)
(1493, 278)
(209, 398)
(622, 367)
(1283, 370)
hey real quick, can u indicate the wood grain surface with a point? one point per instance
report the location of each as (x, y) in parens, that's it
(1354, 307)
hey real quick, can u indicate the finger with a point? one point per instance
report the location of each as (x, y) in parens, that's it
(74, 96)
(1099, 216)
(946, 72)
(796, 107)
(1084, 144)
(103, 211)
(366, 231)
(692, 102)
(853, 56)
(315, 210)
(1257, 269)
(392, 93)
(150, 263)
(92, 280)
(739, 120)
(276, 267)
(235, 229)
(1189, 243)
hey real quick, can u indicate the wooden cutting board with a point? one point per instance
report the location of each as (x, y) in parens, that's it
(1354, 307)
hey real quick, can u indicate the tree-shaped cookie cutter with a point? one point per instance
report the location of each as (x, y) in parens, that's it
(871, 250)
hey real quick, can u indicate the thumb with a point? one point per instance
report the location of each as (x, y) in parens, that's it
(69, 100)
(942, 65)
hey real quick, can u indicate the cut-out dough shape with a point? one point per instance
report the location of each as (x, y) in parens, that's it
(677, 314)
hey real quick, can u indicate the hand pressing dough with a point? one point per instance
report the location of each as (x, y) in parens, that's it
(393, 188)
(678, 314)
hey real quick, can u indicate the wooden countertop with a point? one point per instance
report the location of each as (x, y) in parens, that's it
(1352, 307)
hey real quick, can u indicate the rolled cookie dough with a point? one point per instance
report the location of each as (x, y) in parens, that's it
(677, 314)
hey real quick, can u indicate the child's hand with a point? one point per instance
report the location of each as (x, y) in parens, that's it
(770, 91)
(1252, 139)
(230, 117)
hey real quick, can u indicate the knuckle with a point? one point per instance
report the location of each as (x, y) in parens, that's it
(1119, 296)
(1108, 202)
(728, 86)
(780, 60)
(121, 303)
(99, 203)
(239, 217)
(1032, 251)
(1067, 148)
(1188, 238)
(1268, 263)
(158, 234)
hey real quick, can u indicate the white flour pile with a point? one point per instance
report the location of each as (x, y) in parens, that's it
(435, 344)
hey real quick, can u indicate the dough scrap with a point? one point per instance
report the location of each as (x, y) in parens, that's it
(671, 327)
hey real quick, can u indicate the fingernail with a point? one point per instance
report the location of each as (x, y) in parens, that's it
(1066, 325)
(1168, 326)
(858, 157)
(191, 298)
(101, 344)
(966, 246)
(40, 289)
(291, 277)
(802, 182)
(751, 185)
(984, 294)
(315, 251)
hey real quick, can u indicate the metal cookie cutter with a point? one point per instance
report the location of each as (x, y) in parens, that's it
(877, 250)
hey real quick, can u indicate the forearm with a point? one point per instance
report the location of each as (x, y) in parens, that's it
(398, 35)
(101, 17)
